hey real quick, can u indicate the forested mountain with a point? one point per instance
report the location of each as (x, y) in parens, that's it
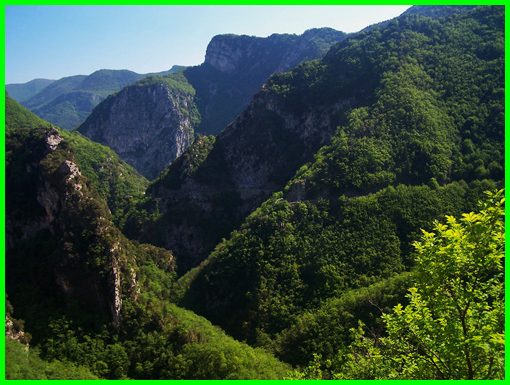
(68, 101)
(424, 138)
(87, 294)
(235, 67)
(435, 12)
(347, 224)
(411, 108)
(24, 91)
(149, 125)
(420, 134)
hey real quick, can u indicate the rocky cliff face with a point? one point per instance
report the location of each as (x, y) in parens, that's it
(64, 253)
(151, 123)
(235, 68)
(148, 125)
(64, 207)
(276, 53)
(248, 161)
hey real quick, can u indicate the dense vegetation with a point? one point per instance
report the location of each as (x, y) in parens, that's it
(453, 324)
(159, 340)
(325, 278)
(25, 364)
(16, 117)
(289, 256)
(411, 102)
(115, 181)
(97, 304)
(347, 219)
(323, 330)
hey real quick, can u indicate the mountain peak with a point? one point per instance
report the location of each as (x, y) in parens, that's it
(229, 52)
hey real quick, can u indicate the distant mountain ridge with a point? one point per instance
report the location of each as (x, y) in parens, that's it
(235, 67)
(24, 91)
(68, 101)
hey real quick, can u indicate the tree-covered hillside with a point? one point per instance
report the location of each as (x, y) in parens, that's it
(115, 181)
(348, 224)
(94, 302)
(425, 139)
(452, 324)
(417, 101)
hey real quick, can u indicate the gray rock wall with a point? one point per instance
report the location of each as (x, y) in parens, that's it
(147, 125)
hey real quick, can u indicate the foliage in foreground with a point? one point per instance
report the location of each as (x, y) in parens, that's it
(159, 340)
(289, 257)
(453, 326)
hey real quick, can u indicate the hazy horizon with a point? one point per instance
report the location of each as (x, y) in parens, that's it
(51, 42)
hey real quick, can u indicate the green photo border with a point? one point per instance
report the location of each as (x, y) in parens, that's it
(6, 3)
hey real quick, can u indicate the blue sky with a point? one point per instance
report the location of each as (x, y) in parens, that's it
(54, 41)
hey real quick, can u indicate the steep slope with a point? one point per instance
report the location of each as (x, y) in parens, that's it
(59, 229)
(421, 135)
(115, 181)
(432, 11)
(24, 91)
(148, 124)
(91, 299)
(288, 257)
(419, 80)
(23, 364)
(151, 124)
(68, 101)
(324, 330)
(17, 116)
(236, 66)
(435, 11)
(253, 157)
